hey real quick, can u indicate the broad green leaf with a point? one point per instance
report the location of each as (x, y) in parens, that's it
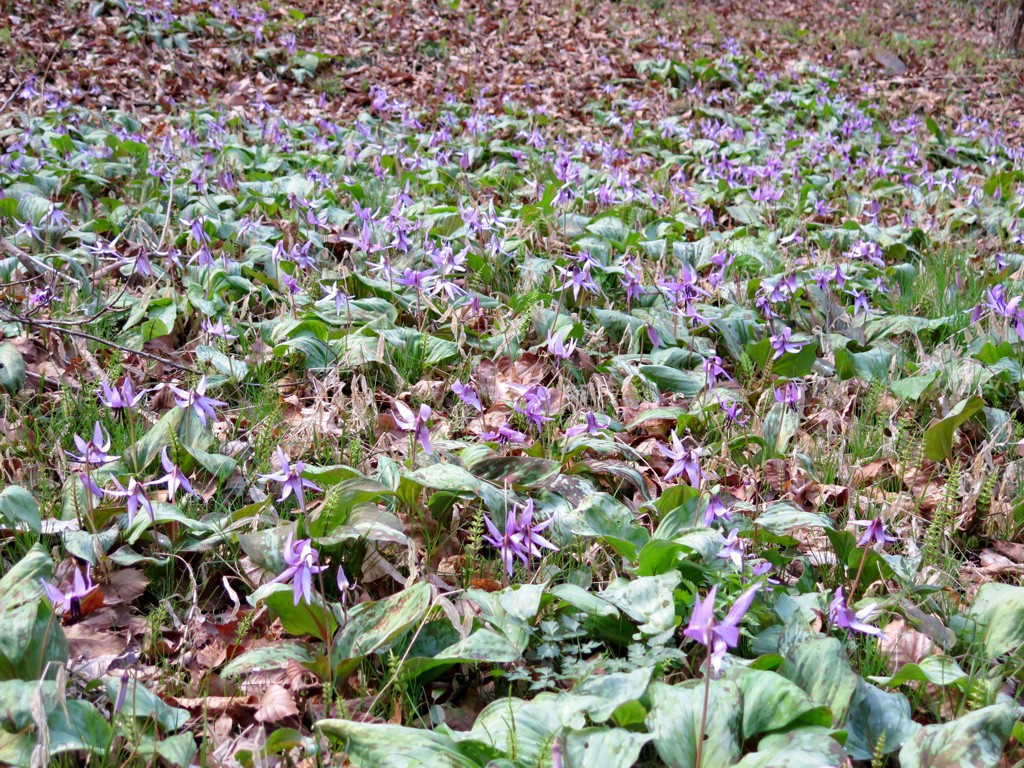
(821, 669)
(12, 369)
(913, 387)
(803, 748)
(867, 363)
(376, 745)
(516, 470)
(780, 517)
(938, 438)
(267, 658)
(141, 703)
(668, 379)
(300, 618)
(603, 748)
(17, 506)
(373, 625)
(647, 599)
(526, 729)
(937, 670)
(604, 516)
(975, 740)
(877, 718)
(613, 690)
(998, 610)
(675, 718)
(483, 646)
(772, 703)
(30, 633)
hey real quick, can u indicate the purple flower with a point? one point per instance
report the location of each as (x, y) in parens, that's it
(218, 329)
(291, 479)
(197, 401)
(732, 548)
(174, 478)
(783, 343)
(790, 394)
(94, 452)
(344, 586)
(134, 496)
(875, 532)
(840, 614)
(302, 566)
(521, 537)
(716, 510)
(734, 412)
(415, 423)
(557, 346)
(718, 637)
(123, 397)
(69, 601)
(590, 426)
(504, 435)
(467, 394)
(683, 461)
(712, 367)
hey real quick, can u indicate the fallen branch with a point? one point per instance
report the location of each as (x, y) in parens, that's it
(31, 263)
(113, 345)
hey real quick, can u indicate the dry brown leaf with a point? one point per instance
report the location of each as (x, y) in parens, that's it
(901, 645)
(276, 705)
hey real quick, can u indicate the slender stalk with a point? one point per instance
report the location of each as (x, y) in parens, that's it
(699, 753)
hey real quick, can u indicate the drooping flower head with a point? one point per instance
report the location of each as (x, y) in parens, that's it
(843, 616)
(69, 600)
(717, 636)
(135, 496)
(414, 422)
(684, 461)
(291, 479)
(303, 565)
(95, 452)
(197, 401)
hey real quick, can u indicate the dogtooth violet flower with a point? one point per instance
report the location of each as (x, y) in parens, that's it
(414, 422)
(840, 614)
(302, 561)
(717, 636)
(875, 532)
(521, 537)
(291, 479)
(684, 461)
(174, 478)
(95, 452)
(197, 401)
(69, 600)
(135, 496)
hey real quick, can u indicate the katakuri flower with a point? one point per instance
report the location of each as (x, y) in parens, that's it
(118, 398)
(717, 636)
(134, 496)
(291, 479)
(303, 565)
(683, 461)
(843, 616)
(174, 478)
(70, 600)
(414, 422)
(95, 452)
(197, 401)
(875, 532)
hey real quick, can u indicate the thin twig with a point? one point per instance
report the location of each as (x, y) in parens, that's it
(31, 263)
(98, 340)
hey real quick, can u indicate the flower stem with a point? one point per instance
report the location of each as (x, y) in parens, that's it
(699, 753)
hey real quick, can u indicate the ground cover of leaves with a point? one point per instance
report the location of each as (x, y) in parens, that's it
(510, 384)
